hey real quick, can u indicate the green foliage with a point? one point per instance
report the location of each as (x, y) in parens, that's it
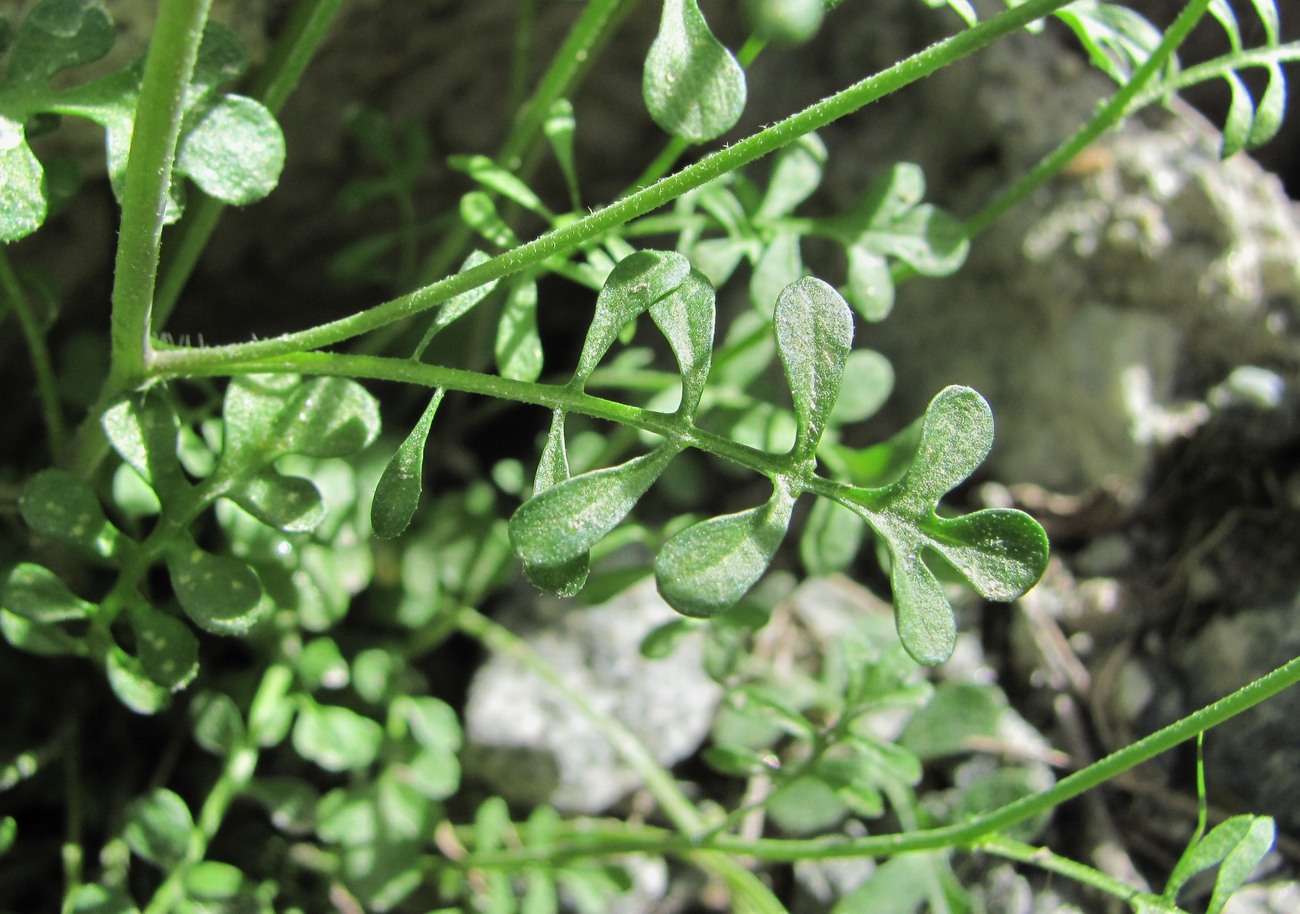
(225, 533)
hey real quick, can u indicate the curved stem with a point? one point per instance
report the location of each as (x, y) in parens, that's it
(680, 810)
(573, 236)
(154, 136)
(307, 28)
(1121, 104)
(1216, 68)
(47, 386)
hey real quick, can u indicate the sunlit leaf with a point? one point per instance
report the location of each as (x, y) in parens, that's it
(1001, 552)
(21, 186)
(685, 316)
(693, 86)
(635, 283)
(709, 566)
(567, 578)
(559, 128)
(268, 416)
(565, 521)
(814, 331)
(831, 538)
(218, 725)
(779, 264)
(143, 430)
(131, 685)
(233, 151)
(1236, 846)
(789, 21)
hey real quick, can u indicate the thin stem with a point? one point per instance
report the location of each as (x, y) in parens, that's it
(658, 780)
(47, 386)
(1215, 69)
(969, 834)
(573, 236)
(598, 21)
(295, 49)
(235, 775)
(522, 55)
(1120, 105)
(154, 136)
(1045, 859)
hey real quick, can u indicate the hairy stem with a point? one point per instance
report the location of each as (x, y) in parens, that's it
(306, 30)
(156, 131)
(573, 236)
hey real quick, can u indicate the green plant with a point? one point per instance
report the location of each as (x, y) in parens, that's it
(182, 515)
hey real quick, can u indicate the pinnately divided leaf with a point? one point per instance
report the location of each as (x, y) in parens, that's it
(636, 282)
(562, 523)
(1002, 553)
(685, 317)
(693, 86)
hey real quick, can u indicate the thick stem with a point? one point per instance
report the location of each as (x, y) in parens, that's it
(307, 28)
(154, 137)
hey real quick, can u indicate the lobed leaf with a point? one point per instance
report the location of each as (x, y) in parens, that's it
(569, 577)
(814, 332)
(62, 506)
(221, 594)
(233, 150)
(143, 429)
(1002, 553)
(693, 86)
(36, 594)
(336, 738)
(57, 35)
(565, 521)
(685, 317)
(288, 503)
(397, 495)
(636, 282)
(706, 568)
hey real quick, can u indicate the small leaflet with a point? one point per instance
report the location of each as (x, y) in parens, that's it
(694, 88)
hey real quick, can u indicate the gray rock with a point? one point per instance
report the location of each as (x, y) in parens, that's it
(528, 743)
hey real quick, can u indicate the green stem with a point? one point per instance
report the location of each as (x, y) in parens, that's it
(658, 780)
(302, 37)
(1120, 105)
(235, 775)
(968, 834)
(597, 22)
(1215, 69)
(47, 386)
(573, 236)
(154, 136)
(1045, 859)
